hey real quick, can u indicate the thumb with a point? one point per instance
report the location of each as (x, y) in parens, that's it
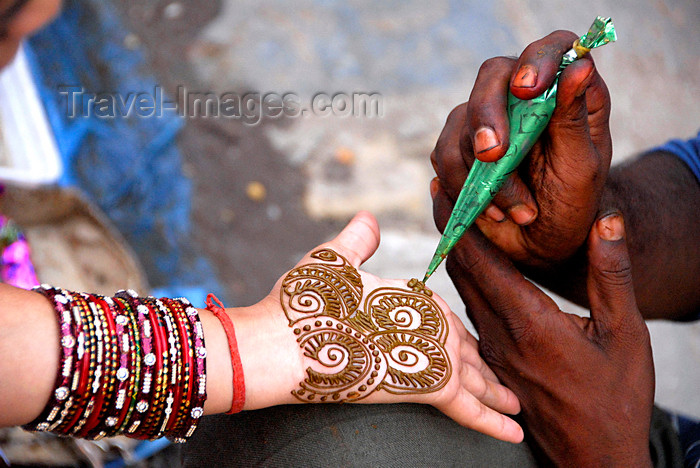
(358, 240)
(610, 288)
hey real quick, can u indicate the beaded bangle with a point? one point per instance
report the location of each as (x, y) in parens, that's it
(79, 364)
(96, 426)
(199, 375)
(127, 365)
(103, 383)
(157, 385)
(92, 390)
(82, 382)
(126, 400)
(147, 360)
(183, 391)
(175, 358)
(69, 332)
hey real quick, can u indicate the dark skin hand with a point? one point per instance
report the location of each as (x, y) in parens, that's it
(553, 199)
(586, 385)
(542, 215)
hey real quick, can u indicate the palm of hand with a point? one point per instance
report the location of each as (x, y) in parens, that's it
(364, 339)
(394, 340)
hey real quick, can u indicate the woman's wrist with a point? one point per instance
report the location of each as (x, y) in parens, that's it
(269, 355)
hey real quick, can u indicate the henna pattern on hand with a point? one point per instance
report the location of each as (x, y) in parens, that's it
(395, 342)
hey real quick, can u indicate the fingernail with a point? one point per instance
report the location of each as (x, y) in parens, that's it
(434, 185)
(493, 212)
(526, 77)
(485, 139)
(611, 227)
(521, 215)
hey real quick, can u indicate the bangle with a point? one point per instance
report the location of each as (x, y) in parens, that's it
(199, 375)
(215, 306)
(127, 365)
(69, 332)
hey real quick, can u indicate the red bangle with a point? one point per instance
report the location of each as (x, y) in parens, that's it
(215, 306)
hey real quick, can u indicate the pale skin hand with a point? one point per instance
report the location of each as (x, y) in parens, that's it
(473, 397)
(273, 361)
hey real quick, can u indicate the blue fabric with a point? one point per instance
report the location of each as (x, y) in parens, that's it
(128, 164)
(687, 151)
(689, 434)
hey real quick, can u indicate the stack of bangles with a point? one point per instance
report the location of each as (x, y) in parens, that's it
(129, 365)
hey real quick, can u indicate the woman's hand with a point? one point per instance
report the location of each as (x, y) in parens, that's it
(330, 333)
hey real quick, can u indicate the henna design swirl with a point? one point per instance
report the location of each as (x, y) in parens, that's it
(333, 289)
(345, 365)
(395, 342)
(417, 364)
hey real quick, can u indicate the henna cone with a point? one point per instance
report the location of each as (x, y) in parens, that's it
(528, 119)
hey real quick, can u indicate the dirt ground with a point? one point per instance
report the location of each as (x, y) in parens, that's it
(250, 241)
(310, 175)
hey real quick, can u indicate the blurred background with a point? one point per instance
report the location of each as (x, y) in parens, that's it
(216, 204)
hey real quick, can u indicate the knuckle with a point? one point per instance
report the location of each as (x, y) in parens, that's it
(618, 272)
(459, 264)
(457, 113)
(561, 39)
(434, 161)
(494, 63)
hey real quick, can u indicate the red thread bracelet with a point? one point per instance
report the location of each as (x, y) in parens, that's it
(215, 306)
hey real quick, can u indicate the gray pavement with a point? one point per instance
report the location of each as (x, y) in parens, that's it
(422, 57)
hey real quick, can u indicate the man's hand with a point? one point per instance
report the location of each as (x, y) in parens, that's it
(586, 385)
(330, 333)
(543, 213)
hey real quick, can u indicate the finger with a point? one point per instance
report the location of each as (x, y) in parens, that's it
(442, 204)
(581, 87)
(470, 355)
(469, 352)
(575, 130)
(492, 394)
(358, 240)
(447, 157)
(493, 213)
(578, 135)
(508, 236)
(515, 199)
(467, 411)
(464, 335)
(487, 118)
(514, 300)
(537, 66)
(569, 126)
(610, 289)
